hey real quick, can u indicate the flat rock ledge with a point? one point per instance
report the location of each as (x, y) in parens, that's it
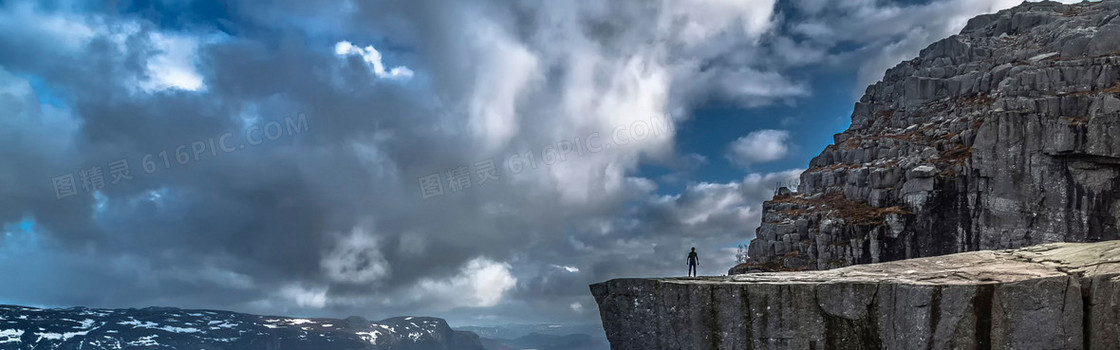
(1050, 296)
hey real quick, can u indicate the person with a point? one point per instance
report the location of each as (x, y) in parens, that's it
(693, 261)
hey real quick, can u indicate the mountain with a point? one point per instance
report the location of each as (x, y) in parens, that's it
(538, 341)
(541, 336)
(494, 344)
(557, 342)
(926, 224)
(1053, 296)
(1003, 136)
(171, 328)
(516, 330)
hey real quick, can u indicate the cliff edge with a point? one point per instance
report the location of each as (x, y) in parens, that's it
(1052, 296)
(1003, 136)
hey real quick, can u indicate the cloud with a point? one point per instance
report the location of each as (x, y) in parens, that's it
(305, 297)
(883, 32)
(173, 67)
(571, 269)
(480, 283)
(286, 225)
(372, 58)
(759, 147)
(577, 307)
(507, 68)
(355, 258)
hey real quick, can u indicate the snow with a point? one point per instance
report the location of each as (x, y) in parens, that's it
(68, 335)
(299, 321)
(58, 336)
(87, 323)
(370, 336)
(274, 323)
(145, 341)
(48, 336)
(10, 335)
(137, 324)
(173, 329)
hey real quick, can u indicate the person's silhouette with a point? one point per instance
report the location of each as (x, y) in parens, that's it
(693, 261)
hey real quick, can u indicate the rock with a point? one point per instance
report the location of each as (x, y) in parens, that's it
(1051, 296)
(1003, 136)
(784, 191)
(922, 172)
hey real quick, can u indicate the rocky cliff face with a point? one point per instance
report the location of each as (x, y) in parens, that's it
(1054, 296)
(1003, 136)
(170, 328)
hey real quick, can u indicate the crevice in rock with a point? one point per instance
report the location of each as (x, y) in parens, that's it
(982, 307)
(1086, 312)
(934, 314)
(748, 316)
(714, 333)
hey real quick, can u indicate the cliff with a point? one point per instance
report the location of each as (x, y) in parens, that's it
(1053, 296)
(1006, 135)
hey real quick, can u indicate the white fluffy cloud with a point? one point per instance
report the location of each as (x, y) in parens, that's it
(565, 70)
(727, 204)
(571, 269)
(481, 282)
(759, 147)
(173, 66)
(695, 22)
(576, 307)
(506, 69)
(372, 58)
(304, 296)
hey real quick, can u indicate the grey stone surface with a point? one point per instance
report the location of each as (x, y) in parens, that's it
(1003, 136)
(1051, 296)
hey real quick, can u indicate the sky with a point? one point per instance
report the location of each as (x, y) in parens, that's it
(477, 160)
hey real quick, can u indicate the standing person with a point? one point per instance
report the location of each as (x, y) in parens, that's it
(693, 261)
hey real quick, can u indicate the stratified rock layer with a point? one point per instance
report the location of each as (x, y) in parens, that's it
(1004, 136)
(1052, 296)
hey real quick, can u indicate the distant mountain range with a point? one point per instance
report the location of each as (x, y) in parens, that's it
(171, 328)
(539, 341)
(541, 336)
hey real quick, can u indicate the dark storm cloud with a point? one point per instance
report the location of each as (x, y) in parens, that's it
(330, 220)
